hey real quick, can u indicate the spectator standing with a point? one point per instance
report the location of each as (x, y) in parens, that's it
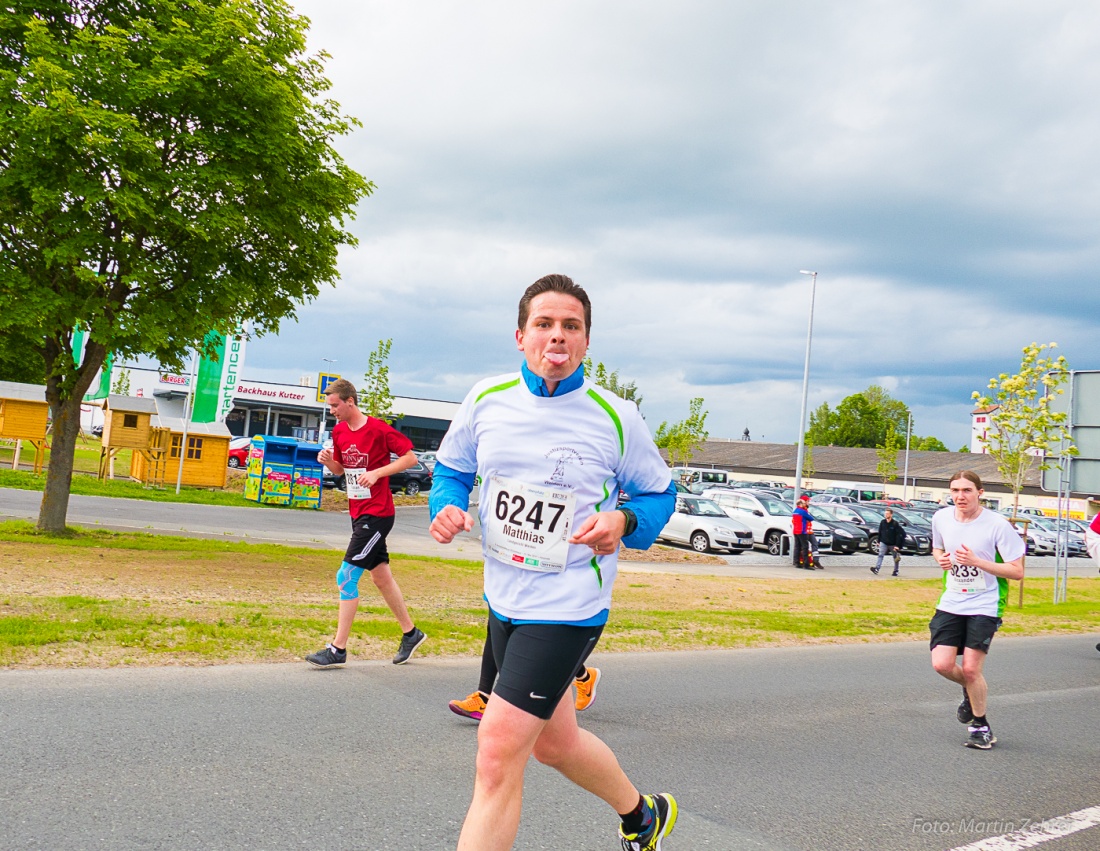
(891, 535)
(802, 525)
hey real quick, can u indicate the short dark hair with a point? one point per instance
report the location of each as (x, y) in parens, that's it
(969, 475)
(557, 284)
(344, 389)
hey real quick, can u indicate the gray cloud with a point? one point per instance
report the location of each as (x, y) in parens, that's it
(934, 161)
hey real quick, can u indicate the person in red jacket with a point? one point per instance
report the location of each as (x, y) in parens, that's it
(802, 524)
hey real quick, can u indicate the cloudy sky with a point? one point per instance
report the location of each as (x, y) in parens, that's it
(935, 162)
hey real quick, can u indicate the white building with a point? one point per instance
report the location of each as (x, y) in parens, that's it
(286, 410)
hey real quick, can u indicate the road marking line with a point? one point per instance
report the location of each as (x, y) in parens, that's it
(1044, 831)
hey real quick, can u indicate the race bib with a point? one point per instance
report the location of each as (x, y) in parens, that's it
(965, 579)
(528, 526)
(351, 482)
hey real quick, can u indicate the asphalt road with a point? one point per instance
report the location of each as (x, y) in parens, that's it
(833, 747)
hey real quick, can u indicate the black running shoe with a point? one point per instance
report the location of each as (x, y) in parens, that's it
(328, 657)
(981, 738)
(964, 713)
(664, 819)
(409, 643)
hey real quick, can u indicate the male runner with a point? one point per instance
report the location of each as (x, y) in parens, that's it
(979, 551)
(361, 449)
(553, 451)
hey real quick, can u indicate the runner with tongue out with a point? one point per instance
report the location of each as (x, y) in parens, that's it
(552, 451)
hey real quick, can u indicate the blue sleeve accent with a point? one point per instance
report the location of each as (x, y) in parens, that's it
(449, 487)
(652, 511)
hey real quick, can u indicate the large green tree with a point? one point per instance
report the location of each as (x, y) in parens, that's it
(864, 419)
(166, 168)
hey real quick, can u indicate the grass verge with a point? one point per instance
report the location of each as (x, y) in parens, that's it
(97, 598)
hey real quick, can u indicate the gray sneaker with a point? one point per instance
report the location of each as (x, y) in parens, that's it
(981, 738)
(409, 643)
(328, 657)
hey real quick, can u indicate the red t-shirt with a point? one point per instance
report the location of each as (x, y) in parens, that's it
(1095, 524)
(369, 447)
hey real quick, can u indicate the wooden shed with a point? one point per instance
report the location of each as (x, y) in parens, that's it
(24, 415)
(125, 426)
(205, 457)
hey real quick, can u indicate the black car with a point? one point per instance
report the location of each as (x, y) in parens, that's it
(410, 482)
(847, 537)
(918, 537)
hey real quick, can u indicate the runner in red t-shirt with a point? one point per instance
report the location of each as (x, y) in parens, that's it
(361, 450)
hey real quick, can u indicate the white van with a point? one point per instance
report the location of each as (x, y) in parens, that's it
(688, 476)
(858, 491)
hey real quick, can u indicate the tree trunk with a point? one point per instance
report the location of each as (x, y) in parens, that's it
(65, 410)
(59, 475)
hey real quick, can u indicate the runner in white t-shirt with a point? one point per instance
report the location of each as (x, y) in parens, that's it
(552, 452)
(979, 551)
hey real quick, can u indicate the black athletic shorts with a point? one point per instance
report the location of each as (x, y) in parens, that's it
(538, 661)
(367, 548)
(959, 631)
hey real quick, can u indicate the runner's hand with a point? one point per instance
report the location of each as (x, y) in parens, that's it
(602, 532)
(963, 555)
(449, 522)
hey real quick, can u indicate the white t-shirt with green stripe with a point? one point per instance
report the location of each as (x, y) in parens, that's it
(585, 444)
(990, 537)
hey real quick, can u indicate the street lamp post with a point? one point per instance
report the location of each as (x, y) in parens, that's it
(905, 475)
(322, 429)
(805, 389)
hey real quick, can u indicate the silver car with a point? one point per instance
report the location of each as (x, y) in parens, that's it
(702, 525)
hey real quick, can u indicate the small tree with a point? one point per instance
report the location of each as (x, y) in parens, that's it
(609, 380)
(375, 399)
(809, 469)
(682, 439)
(887, 452)
(1023, 425)
(122, 383)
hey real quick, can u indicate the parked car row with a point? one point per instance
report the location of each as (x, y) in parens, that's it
(840, 527)
(412, 481)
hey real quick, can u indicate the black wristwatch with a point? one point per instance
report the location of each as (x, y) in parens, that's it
(631, 521)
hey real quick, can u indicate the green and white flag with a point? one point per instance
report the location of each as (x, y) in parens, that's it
(99, 389)
(216, 381)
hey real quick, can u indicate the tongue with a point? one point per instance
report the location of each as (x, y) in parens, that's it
(557, 358)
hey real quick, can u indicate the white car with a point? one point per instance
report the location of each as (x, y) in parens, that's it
(768, 518)
(704, 526)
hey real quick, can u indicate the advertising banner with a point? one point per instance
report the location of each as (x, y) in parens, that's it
(217, 378)
(101, 386)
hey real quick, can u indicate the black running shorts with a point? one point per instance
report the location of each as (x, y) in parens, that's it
(367, 548)
(959, 631)
(538, 661)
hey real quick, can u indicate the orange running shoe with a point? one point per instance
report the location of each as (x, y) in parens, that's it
(586, 691)
(470, 707)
